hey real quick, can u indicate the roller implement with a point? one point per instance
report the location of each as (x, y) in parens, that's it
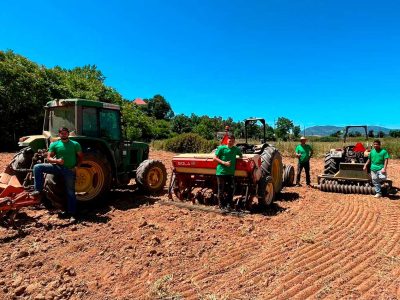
(343, 172)
(108, 159)
(259, 175)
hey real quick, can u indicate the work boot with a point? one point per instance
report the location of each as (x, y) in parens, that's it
(37, 195)
(67, 216)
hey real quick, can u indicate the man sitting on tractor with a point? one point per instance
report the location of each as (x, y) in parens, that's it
(63, 157)
(225, 156)
(378, 158)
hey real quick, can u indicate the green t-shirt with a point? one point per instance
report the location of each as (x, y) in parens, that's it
(305, 151)
(225, 153)
(378, 159)
(66, 151)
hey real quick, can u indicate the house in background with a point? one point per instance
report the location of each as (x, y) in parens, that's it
(139, 101)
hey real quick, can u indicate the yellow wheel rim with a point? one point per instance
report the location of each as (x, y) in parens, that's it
(269, 193)
(276, 173)
(155, 177)
(89, 180)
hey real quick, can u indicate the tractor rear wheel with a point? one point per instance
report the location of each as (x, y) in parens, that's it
(271, 165)
(93, 177)
(331, 166)
(151, 176)
(93, 181)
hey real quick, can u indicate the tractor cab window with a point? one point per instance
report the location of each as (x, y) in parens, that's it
(89, 122)
(110, 124)
(63, 116)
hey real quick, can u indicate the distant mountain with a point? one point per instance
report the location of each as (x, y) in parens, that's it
(328, 130)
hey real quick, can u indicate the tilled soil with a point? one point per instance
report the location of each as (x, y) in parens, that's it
(309, 244)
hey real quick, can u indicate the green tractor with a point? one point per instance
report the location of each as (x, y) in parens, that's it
(109, 160)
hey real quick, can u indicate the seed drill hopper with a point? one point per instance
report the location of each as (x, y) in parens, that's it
(259, 175)
(343, 171)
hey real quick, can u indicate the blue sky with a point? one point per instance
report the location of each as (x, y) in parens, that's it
(314, 62)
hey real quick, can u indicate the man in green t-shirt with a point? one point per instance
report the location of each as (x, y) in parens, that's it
(379, 159)
(63, 156)
(303, 153)
(225, 156)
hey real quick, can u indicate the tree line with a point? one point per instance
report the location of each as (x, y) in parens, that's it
(25, 87)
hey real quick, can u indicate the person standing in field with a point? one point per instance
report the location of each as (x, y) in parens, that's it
(379, 159)
(303, 153)
(225, 156)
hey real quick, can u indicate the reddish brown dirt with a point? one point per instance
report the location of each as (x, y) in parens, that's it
(309, 244)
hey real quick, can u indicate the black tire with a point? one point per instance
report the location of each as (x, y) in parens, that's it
(266, 192)
(93, 177)
(54, 191)
(331, 166)
(271, 165)
(93, 181)
(151, 176)
(288, 175)
(22, 160)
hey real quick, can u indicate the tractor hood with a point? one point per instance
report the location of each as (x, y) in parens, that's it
(36, 142)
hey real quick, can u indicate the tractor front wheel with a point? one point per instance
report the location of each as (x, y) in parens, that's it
(151, 176)
(266, 192)
(288, 175)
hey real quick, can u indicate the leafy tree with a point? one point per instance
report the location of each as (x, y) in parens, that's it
(254, 130)
(181, 124)
(394, 133)
(158, 107)
(269, 133)
(381, 134)
(371, 133)
(355, 134)
(283, 127)
(138, 126)
(207, 127)
(23, 92)
(336, 134)
(296, 131)
(161, 129)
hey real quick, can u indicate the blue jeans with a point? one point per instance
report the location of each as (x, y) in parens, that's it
(69, 181)
(225, 184)
(377, 177)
